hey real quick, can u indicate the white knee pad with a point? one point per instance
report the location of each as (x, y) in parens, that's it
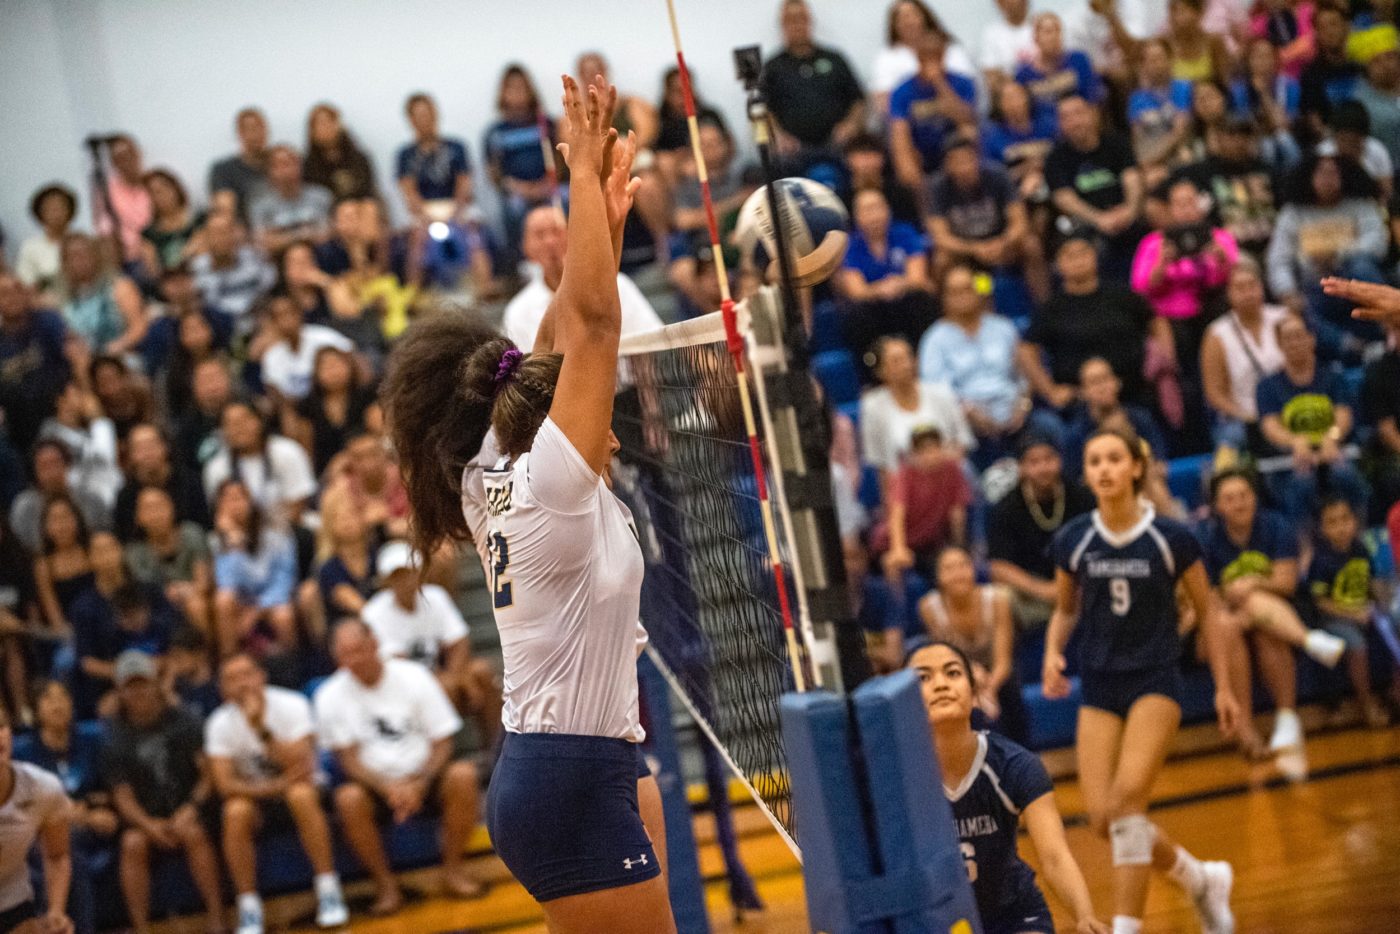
(1131, 838)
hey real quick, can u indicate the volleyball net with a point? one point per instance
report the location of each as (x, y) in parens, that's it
(710, 599)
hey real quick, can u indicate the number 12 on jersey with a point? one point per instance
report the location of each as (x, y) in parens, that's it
(500, 560)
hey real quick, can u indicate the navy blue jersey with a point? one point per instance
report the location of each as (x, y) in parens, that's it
(1127, 589)
(1270, 539)
(1344, 577)
(987, 807)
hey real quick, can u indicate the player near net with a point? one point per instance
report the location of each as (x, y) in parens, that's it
(33, 807)
(572, 809)
(1117, 569)
(993, 785)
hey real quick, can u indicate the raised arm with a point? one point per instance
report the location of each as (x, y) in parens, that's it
(588, 313)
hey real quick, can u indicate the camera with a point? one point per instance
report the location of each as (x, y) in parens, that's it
(748, 65)
(1189, 239)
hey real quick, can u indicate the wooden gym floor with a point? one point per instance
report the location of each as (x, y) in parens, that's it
(1320, 857)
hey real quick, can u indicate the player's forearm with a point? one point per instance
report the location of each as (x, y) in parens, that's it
(1067, 882)
(587, 290)
(58, 875)
(1058, 633)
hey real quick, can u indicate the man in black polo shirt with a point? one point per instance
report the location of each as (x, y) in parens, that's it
(1094, 181)
(1022, 526)
(812, 93)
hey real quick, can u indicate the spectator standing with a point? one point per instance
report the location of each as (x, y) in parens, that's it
(1240, 348)
(432, 168)
(38, 264)
(813, 95)
(334, 161)
(390, 726)
(286, 208)
(153, 766)
(261, 748)
(902, 404)
(234, 179)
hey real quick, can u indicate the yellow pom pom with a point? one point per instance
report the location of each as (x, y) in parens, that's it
(983, 284)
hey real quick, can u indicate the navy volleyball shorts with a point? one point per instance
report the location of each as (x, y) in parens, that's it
(1117, 691)
(1028, 915)
(562, 812)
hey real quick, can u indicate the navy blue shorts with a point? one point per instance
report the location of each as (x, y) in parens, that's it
(1117, 691)
(12, 918)
(1030, 915)
(562, 812)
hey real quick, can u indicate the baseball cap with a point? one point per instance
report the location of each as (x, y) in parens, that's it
(395, 556)
(131, 664)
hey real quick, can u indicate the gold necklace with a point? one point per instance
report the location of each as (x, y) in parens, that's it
(1057, 514)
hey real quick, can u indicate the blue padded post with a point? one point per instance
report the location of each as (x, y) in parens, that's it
(915, 837)
(687, 889)
(836, 853)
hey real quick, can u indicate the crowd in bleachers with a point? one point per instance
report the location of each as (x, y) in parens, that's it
(1114, 215)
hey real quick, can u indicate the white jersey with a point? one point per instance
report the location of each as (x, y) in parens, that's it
(36, 799)
(566, 570)
(229, 735)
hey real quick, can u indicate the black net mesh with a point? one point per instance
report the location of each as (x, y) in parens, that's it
(708, 601)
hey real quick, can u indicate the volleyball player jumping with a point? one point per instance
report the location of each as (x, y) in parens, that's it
(1116, 573)
(565, 565)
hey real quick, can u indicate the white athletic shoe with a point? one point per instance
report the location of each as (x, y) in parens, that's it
(331, 911)
(1324, 648)
(250, 921)
(1288, 731)
(1213, 900)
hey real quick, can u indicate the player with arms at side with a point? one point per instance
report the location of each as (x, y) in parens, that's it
(564, 561)
(33, 806)
(993, 785)
(1117, 569)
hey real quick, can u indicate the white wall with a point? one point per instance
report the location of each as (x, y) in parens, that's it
(173, 72)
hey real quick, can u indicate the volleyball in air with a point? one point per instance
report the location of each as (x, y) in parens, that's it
(814, 224)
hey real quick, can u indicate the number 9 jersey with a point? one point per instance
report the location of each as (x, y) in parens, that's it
(1127, 589)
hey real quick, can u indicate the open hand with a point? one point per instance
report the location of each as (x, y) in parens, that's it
(1374, 302)
(586, 136)
(1227, 712)
(619, 187)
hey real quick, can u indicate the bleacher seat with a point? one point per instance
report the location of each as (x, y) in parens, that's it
(836, 371)
(826, 328)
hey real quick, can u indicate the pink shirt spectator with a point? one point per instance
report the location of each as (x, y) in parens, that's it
(132, 204)
(1179, 293)
(1293, 56)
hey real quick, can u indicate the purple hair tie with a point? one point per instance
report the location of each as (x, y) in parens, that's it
(506, 368)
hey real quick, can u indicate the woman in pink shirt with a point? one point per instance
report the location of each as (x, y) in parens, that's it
(131, 202)
(1175, 267)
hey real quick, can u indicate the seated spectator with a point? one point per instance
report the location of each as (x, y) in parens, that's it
(814, 98)
(544, 244)
(1287, 25)
(867, 166)
(338, 407)
(1008, 40)
(187, 674)
(884, 279)
(976, 215)
(286, 209)
(369, 481)
(519, 151)
(172, 556)
(691, 274)
(730, 183)
(1272, 96)
(1159, 111)
(1339, 582)
(390, 727)
(329, 302)
(75, 756)
(112, 615)
(231, 274)
(1331, 226)
(153, 767)
(1094, 180)
(39, 262)
(36, 351)
(261, 749)
(79, 425)
(420, 622)
(255, 573)
(673, 127)
(1380, 405)
(1197, 55)
(977, 619)
(149, 464)
(1019, 139)
(62, 566)
(234, 179)
(1051, 72)
(50, 464)
(104, 308)
(123, 393)
(334, 161)
(172, 237)
(1349, 136)
(127, 202)
(1252, 557)
(1099, 390)
(195, 332)
(1086, 318)
(976, 353)
(346, 547)
(1022, 525)
(1332, 76)
(1378, 51)
(1239, 349)
(906, 25)
(19, 615)
(892, 412)
(925, 111)
(287, 347)
(1302, 413)
(272, 469)
(432, 168)
(197, 437)
(926, 507)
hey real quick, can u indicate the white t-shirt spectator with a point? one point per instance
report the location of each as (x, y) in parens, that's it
(290, 371)
(1005, 47)
(420, 635)
(886, 428)
(280, 475)
(229, 735)
(521, 321)
(94, 452)
(392, 725)
(36, 798)
(39, 264)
